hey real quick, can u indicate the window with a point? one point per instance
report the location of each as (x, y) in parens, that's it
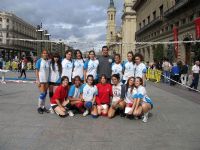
(191, 17)
(0, 26)
(7, 34)
(143, 23)
(183, 21)
(111, 33)
(111, 18)
(7, 27)
(161, 10)
(0, 19)
(1, 34)
(177, 23)
(171, 27)
(154, 15)
(148, 18)
(140, 25)
(166, 28)
(7, 20)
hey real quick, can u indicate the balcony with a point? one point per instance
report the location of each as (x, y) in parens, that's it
(149, 25)
(180, 4)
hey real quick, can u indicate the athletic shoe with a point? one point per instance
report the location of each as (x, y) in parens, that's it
(51, 110)
(86, 112)
(40, 110)
(46, 110)
(71, 114)
(145, 117)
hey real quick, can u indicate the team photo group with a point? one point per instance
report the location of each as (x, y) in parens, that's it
(95, 86)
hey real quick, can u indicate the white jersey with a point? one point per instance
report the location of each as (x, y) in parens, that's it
(129, 95)
(141, 91)
(139, 70)
(195, 69)
(117, 92)
(67, 66)
(89, 92)
(55, 75)
(78, 68)
(43, 67)
(91, 67)
(128, 70)
(117, 69)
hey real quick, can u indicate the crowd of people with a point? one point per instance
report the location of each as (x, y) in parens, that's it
(102, 86)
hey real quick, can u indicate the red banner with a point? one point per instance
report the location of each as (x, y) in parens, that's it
(175, 31)
(197, 27)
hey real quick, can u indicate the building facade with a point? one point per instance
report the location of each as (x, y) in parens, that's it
(122, 40)
(167, 21)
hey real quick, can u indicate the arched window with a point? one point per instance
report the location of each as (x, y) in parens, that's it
(111, 18)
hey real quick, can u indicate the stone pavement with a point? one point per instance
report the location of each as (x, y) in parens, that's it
(173, 125)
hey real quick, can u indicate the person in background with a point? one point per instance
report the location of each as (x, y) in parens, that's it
(195, 75)
(105, 63)
(184, 74)
(42, 80)
(175, 74)
(23, 68)
(104, 95)
(166, 67)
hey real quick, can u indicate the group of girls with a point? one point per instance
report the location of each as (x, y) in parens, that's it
(74, 86)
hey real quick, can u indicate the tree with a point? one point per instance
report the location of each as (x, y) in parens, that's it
(158, 52)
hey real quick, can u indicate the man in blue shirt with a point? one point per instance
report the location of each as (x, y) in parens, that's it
(175, 74)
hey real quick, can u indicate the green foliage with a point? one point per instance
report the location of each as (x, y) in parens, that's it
(158, 52)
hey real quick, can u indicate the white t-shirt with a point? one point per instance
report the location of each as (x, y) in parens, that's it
(89, 92)
(128, 70)
(117, 91)
(55, 75)
(139, 70)
(78, 68)
(142, 92)
(195, 69)
(43, 66)
(129, 95)
(67, 66)
(91, 67)
(117, 69)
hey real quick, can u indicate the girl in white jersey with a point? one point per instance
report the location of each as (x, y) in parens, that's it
(142, 103)
(118, 102)
(78, 65)
(67, 66)
(117, 67)
(42, 79)
(55, 73)
(128, 67)
(90, 66)
(88, 96)
(129, 91)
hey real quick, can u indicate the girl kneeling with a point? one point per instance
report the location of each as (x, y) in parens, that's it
(142, 104)
(118, 97)
(58, 102)
(88, 94)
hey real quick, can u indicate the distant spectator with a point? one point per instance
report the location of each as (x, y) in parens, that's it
(184, 74)
(166, 67)
(195, 75)
(175, 72)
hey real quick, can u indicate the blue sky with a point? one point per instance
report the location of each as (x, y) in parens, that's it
(70, 20)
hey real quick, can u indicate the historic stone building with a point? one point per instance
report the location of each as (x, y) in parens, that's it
(122, 40)
(167, 20)
(12, 27)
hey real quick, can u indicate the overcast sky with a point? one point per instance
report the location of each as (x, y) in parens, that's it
(70, 20)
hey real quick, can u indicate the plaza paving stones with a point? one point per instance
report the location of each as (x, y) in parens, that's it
(173, 125)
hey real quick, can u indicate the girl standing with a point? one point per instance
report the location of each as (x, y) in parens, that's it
(78, 64)
(88, 96)
(67, 66)
(42, 79)
(118, 97)
(55, 73)
(104, 95)
(117, 67)
(128, 67)
(90, 66)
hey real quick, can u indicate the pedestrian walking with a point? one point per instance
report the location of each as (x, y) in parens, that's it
(195, 75)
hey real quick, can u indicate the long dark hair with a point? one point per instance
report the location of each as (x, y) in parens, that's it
(140, 79)
(69, 51)
(103, 76)
(127, 84)
(78, 51)
(90, 76)
(92, 51)
(59, 62)
(133, 58)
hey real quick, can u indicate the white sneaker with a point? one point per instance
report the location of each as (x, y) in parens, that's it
(86, 112)
(51, 110)
(71, 114)
(145, 117)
